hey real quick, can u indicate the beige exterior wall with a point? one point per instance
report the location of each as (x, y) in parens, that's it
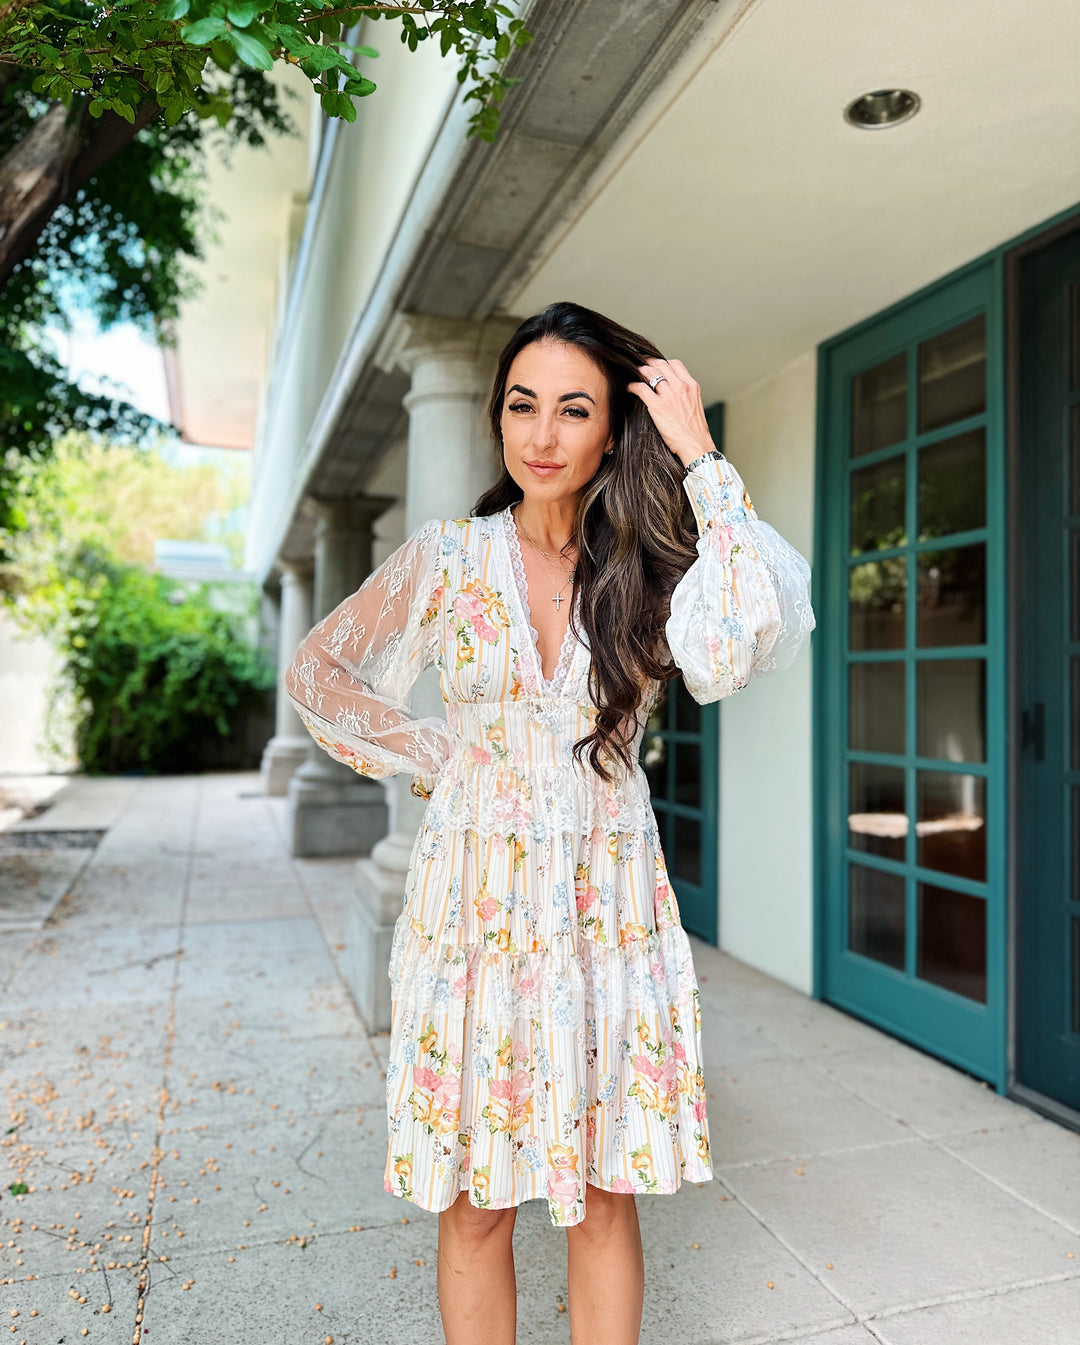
(766, 767)
(376, 163)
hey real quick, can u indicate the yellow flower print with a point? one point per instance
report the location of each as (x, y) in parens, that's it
(416, 926)
(642, 1030)
(613, 844)
(447, 1122)
(465, 652)
(428, 1040)
(403, 1166)
(505, 1053)
(435, 601)
(502, 940)
(632, 933)
(562, 1156)
(421, 1105)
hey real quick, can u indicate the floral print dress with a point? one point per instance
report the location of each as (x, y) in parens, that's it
(546, 1025)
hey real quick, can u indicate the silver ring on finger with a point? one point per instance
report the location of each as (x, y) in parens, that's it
(653, 381)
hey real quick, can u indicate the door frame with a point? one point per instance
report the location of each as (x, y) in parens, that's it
(1005, 259)
(1012, 259)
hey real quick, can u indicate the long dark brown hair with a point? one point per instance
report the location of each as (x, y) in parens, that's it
(634, 530)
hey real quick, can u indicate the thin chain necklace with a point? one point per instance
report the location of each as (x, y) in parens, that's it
(557, 598)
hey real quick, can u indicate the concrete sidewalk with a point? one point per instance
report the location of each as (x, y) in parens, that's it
(198, 1113)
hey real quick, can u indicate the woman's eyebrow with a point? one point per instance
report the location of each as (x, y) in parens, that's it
(564, 398)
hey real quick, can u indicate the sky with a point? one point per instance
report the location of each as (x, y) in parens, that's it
(125, 361)
(122, 355)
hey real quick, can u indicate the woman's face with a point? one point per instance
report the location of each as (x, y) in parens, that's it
(554, 420)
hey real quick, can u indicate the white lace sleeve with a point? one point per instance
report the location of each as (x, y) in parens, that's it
(742, 609)
(352, 674)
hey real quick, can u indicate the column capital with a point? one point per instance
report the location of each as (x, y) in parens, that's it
(295, 570)
(348, 513)
(411, 339)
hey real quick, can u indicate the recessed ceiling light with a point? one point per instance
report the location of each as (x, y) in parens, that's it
(882, 107)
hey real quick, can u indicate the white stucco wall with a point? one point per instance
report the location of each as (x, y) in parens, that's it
(766, 838)
(27, 664)
(375, 165)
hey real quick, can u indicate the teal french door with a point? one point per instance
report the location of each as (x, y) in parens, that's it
(680, 757)
(909, 678)
(1048, 662)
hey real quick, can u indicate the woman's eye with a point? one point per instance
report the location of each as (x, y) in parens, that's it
(580, 412)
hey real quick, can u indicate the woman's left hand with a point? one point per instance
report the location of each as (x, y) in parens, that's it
(676, 408)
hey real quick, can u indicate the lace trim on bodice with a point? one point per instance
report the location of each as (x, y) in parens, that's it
(569, 642)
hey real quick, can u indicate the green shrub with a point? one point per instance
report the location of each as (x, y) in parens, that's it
(157, 680)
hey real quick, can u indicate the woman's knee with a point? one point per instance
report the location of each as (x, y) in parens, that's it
(604, 1208)
(469, 1220)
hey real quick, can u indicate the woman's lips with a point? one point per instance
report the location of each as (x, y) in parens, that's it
(544, 469)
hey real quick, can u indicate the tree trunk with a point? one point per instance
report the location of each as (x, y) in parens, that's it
(58, 154)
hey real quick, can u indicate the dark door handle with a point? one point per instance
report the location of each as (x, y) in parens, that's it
(1032, 730)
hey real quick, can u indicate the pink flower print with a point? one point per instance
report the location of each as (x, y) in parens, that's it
(468, 607)
(611, 804)
(655, 1083)
(453, 1051)
(511, 1101)
(459, 988)
(480, 756)
(622, 1186)
(563, 1187)
(678, 1049)
(528, 985)
(699, 1111)
(425, 1077)
(448, 1092)
(487, 908)
(587, 896)
(521, 1050)
(723, 534)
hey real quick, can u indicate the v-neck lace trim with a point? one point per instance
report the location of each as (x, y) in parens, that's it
(569, 643)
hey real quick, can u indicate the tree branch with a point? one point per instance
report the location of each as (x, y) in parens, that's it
(57, 155)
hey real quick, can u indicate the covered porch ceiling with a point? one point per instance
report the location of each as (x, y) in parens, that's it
(739, 219)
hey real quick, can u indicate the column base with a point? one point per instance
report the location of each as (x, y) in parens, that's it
(379, 898)
(334, 815)
(281, 758)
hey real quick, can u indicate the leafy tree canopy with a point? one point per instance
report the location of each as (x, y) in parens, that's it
(127, 54)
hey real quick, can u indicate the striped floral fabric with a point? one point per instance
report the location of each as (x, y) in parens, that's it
(546, 1026)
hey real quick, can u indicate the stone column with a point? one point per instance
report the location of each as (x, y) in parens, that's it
(333, 810)
(288, 748)
(451, 461)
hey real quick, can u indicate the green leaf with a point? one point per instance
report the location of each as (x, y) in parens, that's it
(502, 47)
(320, 58)
(199, 34)
(250, 50)
(242, 14)
(222, 55)
(170, 10)
(337, 104)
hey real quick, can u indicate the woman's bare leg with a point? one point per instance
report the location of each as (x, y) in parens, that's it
(605, 1268)
(476, 1283)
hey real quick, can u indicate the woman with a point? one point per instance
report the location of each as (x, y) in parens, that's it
(545, 1036)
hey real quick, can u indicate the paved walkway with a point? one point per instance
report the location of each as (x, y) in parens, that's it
(196, 1110)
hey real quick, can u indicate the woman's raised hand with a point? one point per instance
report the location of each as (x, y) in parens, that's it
(676, 408)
